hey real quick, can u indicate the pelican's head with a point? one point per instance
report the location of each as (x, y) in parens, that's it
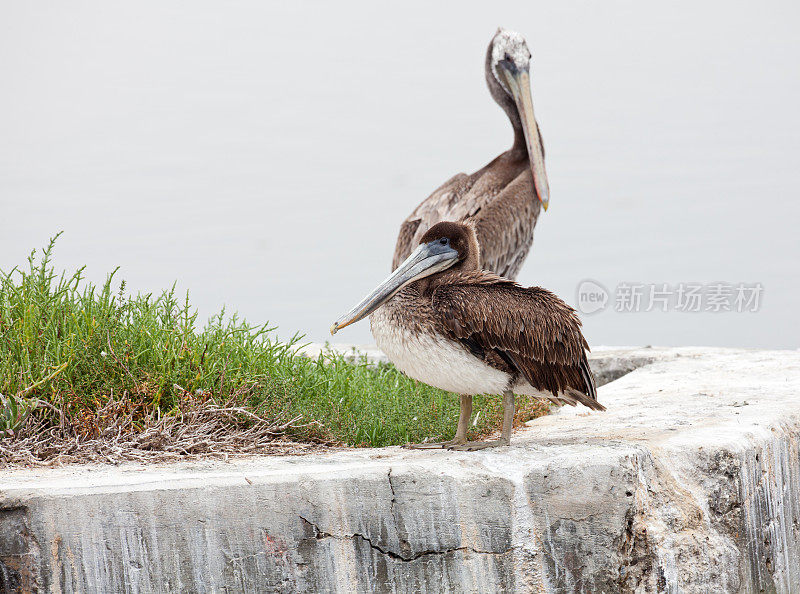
(510, 54)
(445, 245)
(510, 60)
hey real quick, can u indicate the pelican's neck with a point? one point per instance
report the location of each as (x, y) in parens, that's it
(470, 264)
(504, 100)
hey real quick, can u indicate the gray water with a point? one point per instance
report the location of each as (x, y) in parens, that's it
(263, 155)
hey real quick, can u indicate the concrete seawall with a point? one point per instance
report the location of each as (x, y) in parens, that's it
(690, 482)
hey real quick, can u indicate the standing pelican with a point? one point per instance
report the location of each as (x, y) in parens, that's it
(443, 321)
(502, 199)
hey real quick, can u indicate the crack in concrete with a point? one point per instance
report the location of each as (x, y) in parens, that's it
(394, 496)
(320, 534)
(404, 544)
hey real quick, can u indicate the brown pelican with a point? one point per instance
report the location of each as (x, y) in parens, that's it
(503, 198)
(443, 321)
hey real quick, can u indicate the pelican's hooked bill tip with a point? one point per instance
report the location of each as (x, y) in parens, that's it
(334, 328)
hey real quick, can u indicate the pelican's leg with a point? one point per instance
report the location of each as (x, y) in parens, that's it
(505, 438)
(461, 433)
(463, 419)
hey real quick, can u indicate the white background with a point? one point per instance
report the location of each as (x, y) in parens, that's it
(263, 154)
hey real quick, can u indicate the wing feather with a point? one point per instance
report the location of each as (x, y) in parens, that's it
(429, 212)
(532, 327)
(499, 200)
(505, 226)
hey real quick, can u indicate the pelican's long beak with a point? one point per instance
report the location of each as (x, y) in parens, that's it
(519, 83)
(427, 259)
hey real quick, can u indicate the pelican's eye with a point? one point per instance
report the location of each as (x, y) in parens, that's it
(444, 241)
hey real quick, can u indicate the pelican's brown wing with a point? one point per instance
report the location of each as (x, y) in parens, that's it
(433, 209)
(505, 224)
(499, 200)
(530, 328)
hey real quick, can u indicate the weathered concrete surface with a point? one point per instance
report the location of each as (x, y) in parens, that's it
(690, 482)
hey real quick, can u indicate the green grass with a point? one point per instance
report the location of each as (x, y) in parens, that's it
(68, 347)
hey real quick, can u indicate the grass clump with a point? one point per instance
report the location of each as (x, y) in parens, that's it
(86, 368)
